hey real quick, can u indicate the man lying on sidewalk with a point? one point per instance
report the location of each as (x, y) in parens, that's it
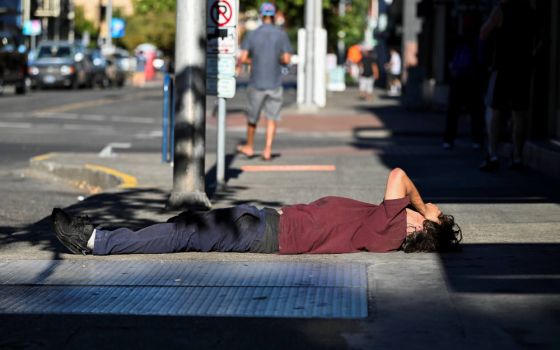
(327, 225)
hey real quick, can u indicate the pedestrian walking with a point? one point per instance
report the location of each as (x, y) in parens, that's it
(465, 90)
(512, 25)
(393, 68)
(369, 72)
(266, 49)
(139, 77)
(328, 225)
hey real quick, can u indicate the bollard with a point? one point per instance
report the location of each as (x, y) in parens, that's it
(167, 91)
(172, 121)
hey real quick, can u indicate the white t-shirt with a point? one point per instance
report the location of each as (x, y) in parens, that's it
(395, 64)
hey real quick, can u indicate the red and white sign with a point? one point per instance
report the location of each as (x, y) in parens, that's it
(227, 44)
(222, 13)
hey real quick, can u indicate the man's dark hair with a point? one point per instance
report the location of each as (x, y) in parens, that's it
(434, 237)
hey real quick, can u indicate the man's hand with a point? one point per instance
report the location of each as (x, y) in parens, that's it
(432, 212)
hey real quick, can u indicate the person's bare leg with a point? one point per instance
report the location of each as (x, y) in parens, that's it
(493, 133)
(518, 135)
(247, 148)
(493, 127)
(270, 133)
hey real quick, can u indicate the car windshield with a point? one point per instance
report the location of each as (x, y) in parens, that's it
(54, 51)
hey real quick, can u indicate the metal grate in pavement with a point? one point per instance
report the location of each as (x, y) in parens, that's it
(178, 288)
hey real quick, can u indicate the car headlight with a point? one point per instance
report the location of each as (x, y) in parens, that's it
(33, 70)
(66, 70)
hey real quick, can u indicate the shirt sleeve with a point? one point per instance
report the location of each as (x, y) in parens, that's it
(286, 46)
(246, 44)
(393, 207)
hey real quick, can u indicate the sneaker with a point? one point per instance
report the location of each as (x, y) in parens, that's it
(447, 145)
(516, 165)
(72, 232)
(490, 165)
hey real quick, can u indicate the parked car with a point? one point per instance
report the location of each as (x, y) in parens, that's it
(60, 63)
(117, 67)
(13, 61)
(98, 68)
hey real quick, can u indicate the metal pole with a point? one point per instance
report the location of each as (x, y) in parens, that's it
(109, 19)
(190, 107)
(221, 153)
(340, 45)
(309, 51)
(165, 120)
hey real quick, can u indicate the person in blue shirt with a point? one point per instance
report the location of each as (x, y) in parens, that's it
(266, 49)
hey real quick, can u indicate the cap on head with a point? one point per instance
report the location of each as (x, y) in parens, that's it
(268, 9)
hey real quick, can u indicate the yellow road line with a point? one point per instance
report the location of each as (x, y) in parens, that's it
(263, 168)
(42, 157)
(127, 181)
(94, 103)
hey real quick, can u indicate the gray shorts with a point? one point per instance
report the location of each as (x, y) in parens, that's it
(269, 100)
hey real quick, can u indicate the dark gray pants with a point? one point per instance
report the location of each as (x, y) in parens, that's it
(203, 232)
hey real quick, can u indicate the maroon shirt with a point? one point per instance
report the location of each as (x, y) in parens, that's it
(343, 225)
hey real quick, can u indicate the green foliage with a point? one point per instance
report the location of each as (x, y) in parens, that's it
(157, 28)
(81, 24)
(352, 24)
(143, 7)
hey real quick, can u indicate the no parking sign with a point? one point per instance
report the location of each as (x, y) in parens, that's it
(221, 47)
(222, 13)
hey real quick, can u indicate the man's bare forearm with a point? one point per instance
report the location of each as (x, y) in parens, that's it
(414, 195)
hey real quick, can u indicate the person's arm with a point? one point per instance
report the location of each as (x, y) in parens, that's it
(494, 21)
(285, 58)
(399, 185)
(244, 57)
(375, 70)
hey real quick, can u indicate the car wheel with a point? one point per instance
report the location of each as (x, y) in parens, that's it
(74, 85)
(21, 89)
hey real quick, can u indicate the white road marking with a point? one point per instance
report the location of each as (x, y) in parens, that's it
(15, 125)
(66, 116)
(93, 117)
(150, 135)
(143, 120)
(86, 127)
(12, 114)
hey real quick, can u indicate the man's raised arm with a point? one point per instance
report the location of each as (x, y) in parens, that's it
(399, 185)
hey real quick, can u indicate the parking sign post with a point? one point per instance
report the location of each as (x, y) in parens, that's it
(222, 47)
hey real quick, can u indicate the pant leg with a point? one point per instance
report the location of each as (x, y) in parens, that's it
(454, 106)
(475, 107)
(154, 239)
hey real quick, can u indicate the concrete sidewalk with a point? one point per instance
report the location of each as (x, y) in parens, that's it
(502, 291)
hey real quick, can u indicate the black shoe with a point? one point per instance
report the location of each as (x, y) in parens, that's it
(516, 166)
(490, 165)
(73, 232)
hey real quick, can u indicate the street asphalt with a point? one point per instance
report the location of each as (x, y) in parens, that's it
(502, 291)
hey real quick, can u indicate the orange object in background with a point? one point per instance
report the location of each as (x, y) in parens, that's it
(354, 54)
(149, 69)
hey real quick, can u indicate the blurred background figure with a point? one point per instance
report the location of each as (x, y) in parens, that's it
(465, 91)
(139, 78)
(393, 69)
(512, 25)
(353, 58)
(369, 72)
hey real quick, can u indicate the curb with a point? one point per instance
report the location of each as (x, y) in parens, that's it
(94, 176)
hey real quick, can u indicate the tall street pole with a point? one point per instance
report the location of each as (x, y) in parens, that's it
(109, 18)
(190, 107)
(309, 51)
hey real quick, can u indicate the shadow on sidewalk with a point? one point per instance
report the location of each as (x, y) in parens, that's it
(448, 176)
